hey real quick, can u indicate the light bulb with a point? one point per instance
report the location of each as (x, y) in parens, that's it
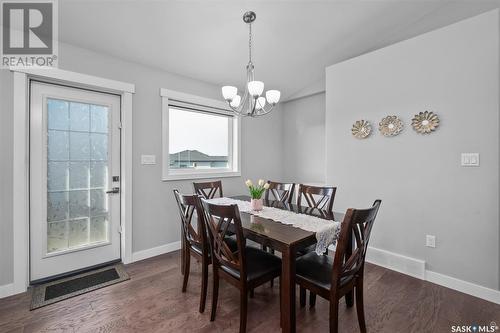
(260, 103)
(273, 96)
(236, 101)
(255, 88)
(228, 92)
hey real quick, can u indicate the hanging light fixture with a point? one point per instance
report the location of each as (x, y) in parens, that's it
(252, 103)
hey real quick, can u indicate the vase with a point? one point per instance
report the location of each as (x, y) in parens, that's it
(256, 204)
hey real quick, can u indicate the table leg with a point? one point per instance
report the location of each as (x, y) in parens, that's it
(288, 290)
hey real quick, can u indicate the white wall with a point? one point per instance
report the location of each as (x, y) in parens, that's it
(155, 216)
(453, 71)
(304, 139)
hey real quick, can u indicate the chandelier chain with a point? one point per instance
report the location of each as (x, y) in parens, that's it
(250, 42)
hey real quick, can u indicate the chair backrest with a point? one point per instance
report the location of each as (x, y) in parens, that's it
(282, 192)
(188, 205)
(357, 223)
(317, 197)
(208, 190)
(219, 219)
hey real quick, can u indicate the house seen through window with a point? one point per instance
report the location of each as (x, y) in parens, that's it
(198, 140)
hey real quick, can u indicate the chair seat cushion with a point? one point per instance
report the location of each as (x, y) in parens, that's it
(259, 263)
(316, 269)
(306, 250)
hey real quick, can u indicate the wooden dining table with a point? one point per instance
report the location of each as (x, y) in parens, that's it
(288, 240)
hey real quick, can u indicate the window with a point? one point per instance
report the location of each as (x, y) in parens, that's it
(200, 137)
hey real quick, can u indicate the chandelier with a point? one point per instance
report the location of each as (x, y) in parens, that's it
(252, 103)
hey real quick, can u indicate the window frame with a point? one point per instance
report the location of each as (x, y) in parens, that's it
(234, 143)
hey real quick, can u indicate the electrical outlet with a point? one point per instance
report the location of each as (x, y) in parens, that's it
(430, 241)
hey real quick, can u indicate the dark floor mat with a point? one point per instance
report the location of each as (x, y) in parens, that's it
(58, 290)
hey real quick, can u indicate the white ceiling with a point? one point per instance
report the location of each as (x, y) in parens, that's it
(293, 41)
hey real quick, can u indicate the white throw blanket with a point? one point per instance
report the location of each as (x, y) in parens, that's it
(327, 231)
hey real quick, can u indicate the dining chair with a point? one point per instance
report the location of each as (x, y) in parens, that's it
(333, 278)
(246, 267)
(208, 190)
(281, 192)
(317, 197)
(195, 240)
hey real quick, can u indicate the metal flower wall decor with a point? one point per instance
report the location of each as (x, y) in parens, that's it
(361, 129)
(425, 122)
(390, 126)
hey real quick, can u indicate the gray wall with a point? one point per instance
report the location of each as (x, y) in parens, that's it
(304, 139)
(6, 226)
(454, 72)
(155, 218)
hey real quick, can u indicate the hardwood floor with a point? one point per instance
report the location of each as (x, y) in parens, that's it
(152, 301)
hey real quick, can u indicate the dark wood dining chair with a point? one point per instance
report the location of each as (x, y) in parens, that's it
(208, 190)
(246, 267)
(195, 240)
(320, 200)
(281, 192)
(317, 197)
(333, 278)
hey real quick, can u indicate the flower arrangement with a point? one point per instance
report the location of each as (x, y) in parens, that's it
(256, 191)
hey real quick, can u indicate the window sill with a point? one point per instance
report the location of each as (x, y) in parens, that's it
(200, 175)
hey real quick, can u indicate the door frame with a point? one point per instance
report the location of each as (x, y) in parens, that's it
(20, 220)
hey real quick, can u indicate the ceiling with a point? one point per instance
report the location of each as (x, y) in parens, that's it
(293, 40)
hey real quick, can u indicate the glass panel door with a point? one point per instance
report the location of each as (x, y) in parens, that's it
(74, 164)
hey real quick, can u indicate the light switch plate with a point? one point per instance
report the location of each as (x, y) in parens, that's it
(470, 159)
(430, 241)
(148, 159)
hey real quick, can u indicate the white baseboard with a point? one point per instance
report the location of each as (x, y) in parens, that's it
(396, 262)
(476, 290)
(156, 251)
(416, 268)
(7, 290)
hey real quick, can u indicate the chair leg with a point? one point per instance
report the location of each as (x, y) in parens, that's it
(243, 310)
(302, 297)
(349, 299)
(360, 306)
(183, 256)
(187, 268)
(204, 282)
(215, 293)
(334, 316)
(312, 299)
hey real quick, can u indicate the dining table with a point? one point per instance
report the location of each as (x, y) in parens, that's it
(286, 239)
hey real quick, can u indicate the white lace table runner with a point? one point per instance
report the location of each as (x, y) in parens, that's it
(327, 231)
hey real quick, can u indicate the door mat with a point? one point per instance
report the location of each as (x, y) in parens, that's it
(61, 289)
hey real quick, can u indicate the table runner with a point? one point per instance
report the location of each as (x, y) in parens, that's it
(327, 231)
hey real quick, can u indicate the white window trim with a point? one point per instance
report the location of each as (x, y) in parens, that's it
(20, 161)
(235, 144)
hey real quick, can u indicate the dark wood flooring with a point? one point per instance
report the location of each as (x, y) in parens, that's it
(152, 301)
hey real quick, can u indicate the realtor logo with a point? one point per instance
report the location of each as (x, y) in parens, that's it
(29, 33)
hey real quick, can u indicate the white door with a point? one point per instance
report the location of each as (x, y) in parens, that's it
(74, 179)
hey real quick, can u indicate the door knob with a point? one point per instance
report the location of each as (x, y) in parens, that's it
(114, 190)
